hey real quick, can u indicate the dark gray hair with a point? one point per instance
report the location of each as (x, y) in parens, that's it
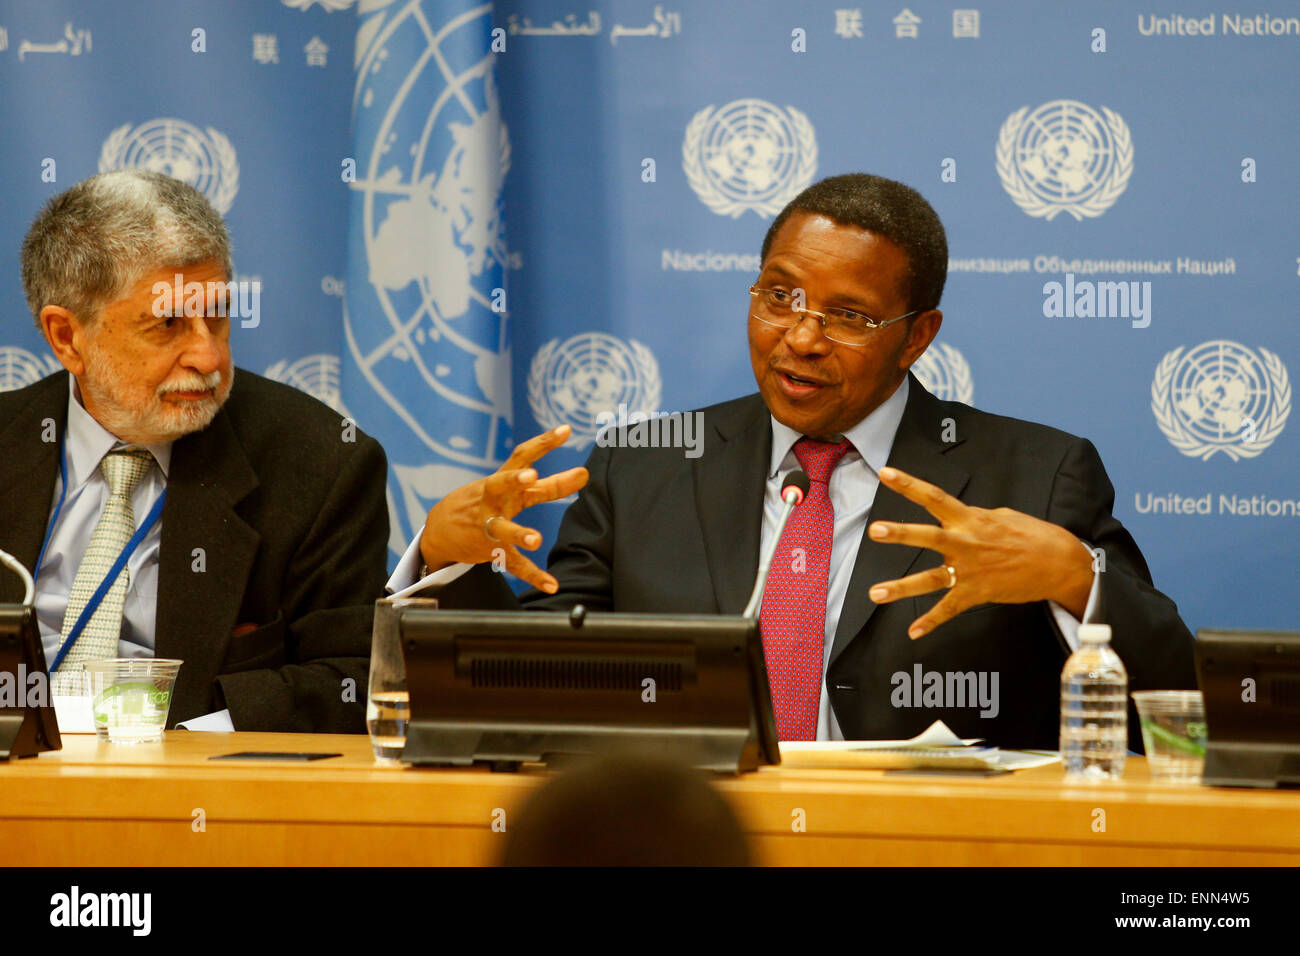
(90, 244)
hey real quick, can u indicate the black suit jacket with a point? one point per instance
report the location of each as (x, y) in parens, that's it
(656, 531)
(293, 526)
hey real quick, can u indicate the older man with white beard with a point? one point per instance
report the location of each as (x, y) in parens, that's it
(167, 509)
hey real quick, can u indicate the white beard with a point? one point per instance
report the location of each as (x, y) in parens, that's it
(158, 421)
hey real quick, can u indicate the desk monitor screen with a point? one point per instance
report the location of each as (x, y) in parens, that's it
(1251, 684)
(507, 687)
(27, 722)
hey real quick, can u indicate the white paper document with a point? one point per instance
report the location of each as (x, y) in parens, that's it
(73, 714)
(936, 735)
(216, 723)
(937, 748)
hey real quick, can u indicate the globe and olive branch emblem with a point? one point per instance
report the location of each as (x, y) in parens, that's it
(203, 158)
(574, 381)
(945, 373)
(20, 368)
(1064, 156)
(1221, 396)
(749, 155)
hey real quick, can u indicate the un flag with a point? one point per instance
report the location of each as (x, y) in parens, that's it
(426, 363)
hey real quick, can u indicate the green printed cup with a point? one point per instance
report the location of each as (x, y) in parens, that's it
(130, 697)
(1174, 733)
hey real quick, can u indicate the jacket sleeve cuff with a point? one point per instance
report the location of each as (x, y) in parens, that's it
(1066, 622)
(408, 579)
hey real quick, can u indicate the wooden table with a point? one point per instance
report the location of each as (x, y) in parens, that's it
(167, 804)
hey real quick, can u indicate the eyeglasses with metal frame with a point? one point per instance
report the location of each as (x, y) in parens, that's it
(785, 310)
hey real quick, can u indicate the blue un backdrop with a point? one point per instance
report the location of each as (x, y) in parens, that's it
(472, 223)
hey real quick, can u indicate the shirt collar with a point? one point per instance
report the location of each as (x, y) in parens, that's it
(87, 441)
(872, 437)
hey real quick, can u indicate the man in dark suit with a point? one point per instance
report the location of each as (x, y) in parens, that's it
(262, 570)
(1010, 522)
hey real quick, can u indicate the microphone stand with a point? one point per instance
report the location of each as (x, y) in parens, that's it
(792, 493)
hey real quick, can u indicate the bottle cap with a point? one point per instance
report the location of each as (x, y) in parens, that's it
(1094, 633)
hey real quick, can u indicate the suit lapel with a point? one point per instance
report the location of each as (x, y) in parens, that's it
(918, 451)
(730, 482)
(27, 474)
(209, 476)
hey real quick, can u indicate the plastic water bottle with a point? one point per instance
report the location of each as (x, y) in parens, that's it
(1094, 707)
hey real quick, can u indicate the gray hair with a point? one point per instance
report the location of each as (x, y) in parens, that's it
(90, 244)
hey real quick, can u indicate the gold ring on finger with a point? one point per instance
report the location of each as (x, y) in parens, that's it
(952, 575)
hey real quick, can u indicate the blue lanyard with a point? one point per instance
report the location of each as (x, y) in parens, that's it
(58, 507)
(89, 610)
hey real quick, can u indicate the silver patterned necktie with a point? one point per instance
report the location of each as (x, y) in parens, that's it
(123, 470)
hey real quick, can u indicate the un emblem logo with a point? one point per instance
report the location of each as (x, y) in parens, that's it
(945, 373)
(427, 355)
(1221, 396)
(205, 160)
(1064, 157)
(574, 381)
(317, 375)
(749, 154)
(20, 368)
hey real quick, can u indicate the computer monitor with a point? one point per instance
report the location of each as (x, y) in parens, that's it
(1251, 684)
(27, 722)
(506, 687)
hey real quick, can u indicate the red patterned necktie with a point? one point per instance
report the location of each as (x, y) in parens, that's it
(793, 618)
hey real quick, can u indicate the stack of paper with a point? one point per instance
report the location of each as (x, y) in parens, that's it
(937, 748)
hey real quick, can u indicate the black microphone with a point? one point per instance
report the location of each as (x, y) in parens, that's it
(793, 489)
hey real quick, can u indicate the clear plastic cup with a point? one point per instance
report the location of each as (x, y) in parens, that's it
(1174, 733)
(130, 697)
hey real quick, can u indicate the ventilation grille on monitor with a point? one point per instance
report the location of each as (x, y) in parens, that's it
(567, 673)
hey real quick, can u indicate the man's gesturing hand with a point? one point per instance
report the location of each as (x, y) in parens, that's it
(999, 556)
(456, 529)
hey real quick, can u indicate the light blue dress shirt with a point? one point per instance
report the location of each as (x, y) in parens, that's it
(85, 444)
